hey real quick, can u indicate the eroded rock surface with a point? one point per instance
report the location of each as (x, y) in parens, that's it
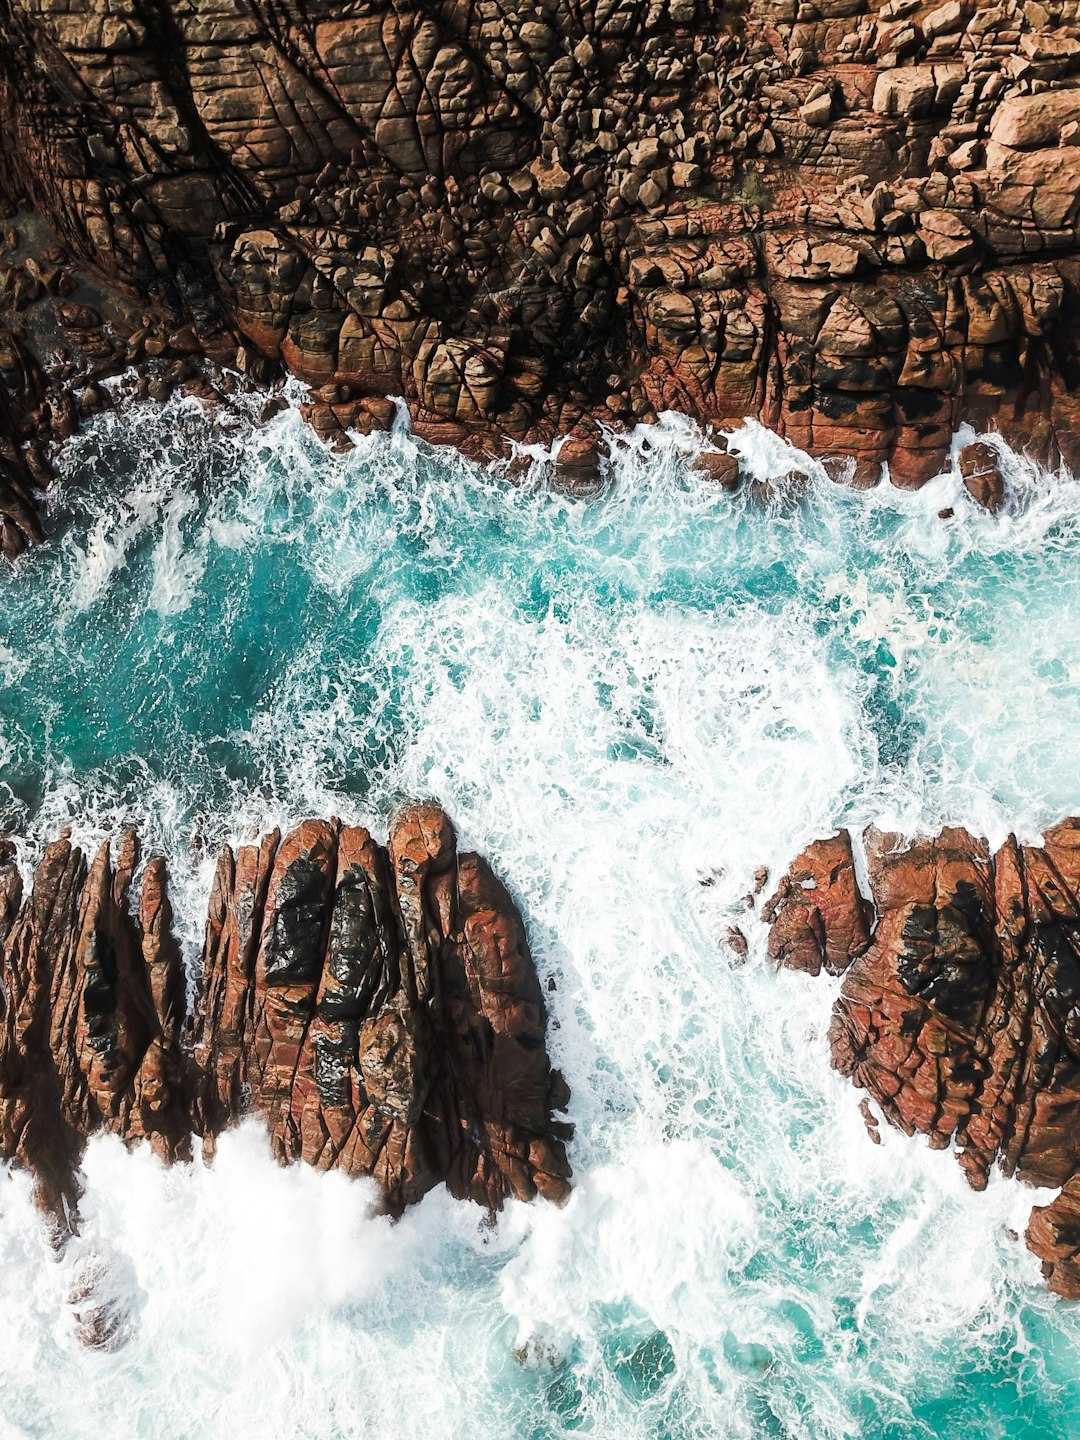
(377, 1007)
(856, 219)
(960, 1013)
(817, 917)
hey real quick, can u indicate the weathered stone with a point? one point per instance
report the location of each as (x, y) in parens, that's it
(959, 1012)
(533, 229)
(1026, 122)
(378, 1009)
(981, 473)
(817, 917)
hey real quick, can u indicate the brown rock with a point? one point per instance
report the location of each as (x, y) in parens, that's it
(982, 475)
(854, 229)
(719, 466)
(378, 1009)
(959, 1018)
(1053, 1233)
(577, 464)
(817, 916)
(1025, 122)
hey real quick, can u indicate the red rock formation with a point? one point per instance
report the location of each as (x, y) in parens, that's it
(855, 219)
(1054, 1235)
(84, 1046)
(378, 1009)
(961, 1013)
(817, 916)
(981, 474)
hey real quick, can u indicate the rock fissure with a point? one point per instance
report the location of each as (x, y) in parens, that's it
(959, 1013)
(304, 1014)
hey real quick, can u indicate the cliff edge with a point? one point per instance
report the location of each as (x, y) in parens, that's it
(854, 220)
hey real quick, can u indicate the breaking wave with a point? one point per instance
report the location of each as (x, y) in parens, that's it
(631, 704)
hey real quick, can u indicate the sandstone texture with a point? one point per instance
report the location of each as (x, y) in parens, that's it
(959, 1013)
(856, 220)
(376, 1007)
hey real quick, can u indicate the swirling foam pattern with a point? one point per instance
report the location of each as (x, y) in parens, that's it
(629, 704)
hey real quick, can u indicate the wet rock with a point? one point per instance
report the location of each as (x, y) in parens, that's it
(719, 466)
(100, 1303)
(10, 888)
(981, 473)
(1053, 1233)
(859, 227)
(870, 1120)
(959, 1014)
(738, 945)
(92, 1012)
(577, 465)
(817, 918)
(376, 1006)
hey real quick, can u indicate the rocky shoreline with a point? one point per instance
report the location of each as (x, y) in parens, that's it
(377, 1008)
(959, 1013)
(855, 220)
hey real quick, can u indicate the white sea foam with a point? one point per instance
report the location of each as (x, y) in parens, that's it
(617, 701)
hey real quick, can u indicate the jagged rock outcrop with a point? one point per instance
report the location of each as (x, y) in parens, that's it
(856, 219)
(960, 1013)
(817, 917)
(92, 1004)
(377, 1007)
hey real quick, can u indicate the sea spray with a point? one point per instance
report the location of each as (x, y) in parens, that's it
(630, 704)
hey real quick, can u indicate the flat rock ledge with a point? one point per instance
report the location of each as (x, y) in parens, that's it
(959, 1012)
(377, 1007)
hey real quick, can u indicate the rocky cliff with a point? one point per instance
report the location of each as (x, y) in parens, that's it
(959, 1012)
(854, 219)
(376, 1007)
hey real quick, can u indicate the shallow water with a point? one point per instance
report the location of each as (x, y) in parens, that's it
(629, 704)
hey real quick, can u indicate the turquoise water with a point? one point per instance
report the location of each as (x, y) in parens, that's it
(630, 703)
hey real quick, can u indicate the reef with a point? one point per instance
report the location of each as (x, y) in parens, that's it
(855, 220)
(376, 1007)
(959, 1012)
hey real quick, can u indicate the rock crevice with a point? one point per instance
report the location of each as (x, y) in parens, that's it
(377, 1008)
(960, 1013)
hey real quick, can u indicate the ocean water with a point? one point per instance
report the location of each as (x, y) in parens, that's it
(630, 703)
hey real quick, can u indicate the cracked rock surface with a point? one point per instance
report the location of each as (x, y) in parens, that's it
(377, 1007)
(854, 219)
(959, 1012)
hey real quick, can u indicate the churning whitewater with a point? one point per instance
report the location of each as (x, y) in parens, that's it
(630, 704)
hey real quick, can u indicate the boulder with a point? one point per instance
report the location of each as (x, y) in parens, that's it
(980, 470)
(817, 917)
(1026, 122)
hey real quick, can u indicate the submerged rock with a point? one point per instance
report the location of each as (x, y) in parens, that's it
(377, 1007)
(980, 470)
(100, 1303)
(960, 1012)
